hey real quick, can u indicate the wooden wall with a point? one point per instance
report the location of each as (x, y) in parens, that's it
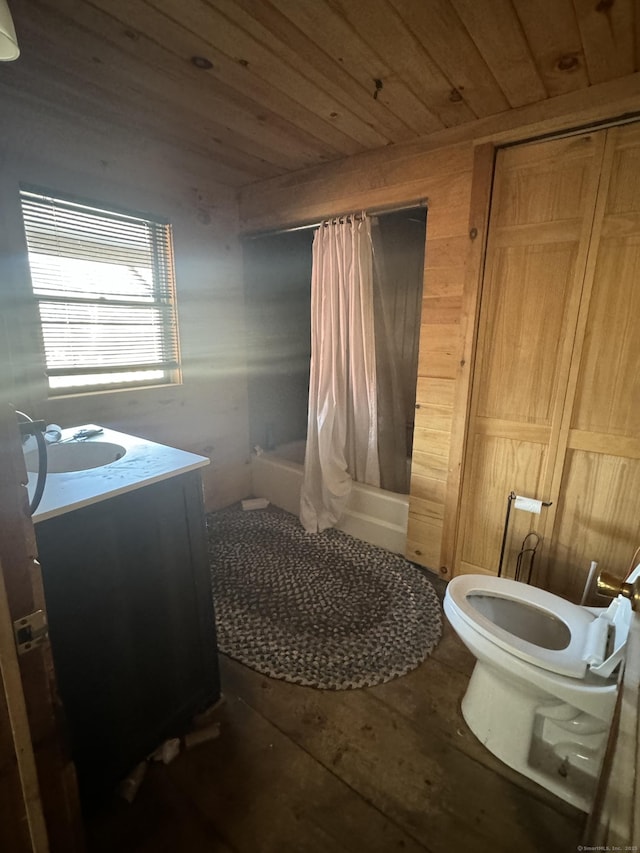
(441, 169)
(207, 413)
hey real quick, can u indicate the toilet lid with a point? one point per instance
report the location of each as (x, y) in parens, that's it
(571, 660)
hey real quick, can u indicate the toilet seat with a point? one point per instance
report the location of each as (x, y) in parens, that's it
(588, 630)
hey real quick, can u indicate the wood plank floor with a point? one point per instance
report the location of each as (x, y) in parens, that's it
(298, 770)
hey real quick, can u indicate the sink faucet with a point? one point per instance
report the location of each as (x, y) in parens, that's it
(28, 426)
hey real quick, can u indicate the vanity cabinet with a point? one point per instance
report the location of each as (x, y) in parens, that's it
(131, 623)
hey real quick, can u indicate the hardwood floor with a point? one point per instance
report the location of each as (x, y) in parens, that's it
(299, 770)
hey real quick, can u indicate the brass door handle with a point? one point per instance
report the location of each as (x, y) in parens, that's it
(608, 584)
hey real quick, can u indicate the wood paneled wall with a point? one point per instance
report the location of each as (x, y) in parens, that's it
(207, 413)
(440, 352)
(440, 169)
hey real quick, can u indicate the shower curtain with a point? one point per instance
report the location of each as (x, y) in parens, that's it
(398, 253)
(342, 432)
(392, 439)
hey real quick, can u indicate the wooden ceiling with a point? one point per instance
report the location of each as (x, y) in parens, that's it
(266, 87)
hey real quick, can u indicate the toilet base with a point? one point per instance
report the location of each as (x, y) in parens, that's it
(550, 741)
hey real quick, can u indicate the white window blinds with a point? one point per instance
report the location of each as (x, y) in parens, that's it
(104, 285)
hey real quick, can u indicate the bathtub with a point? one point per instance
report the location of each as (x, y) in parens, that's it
(373, 515)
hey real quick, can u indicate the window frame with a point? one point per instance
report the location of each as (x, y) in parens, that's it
(162, 268)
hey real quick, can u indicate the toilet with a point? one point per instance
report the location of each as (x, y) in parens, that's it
(544, 687)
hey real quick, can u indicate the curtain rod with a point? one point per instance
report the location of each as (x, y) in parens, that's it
(377, 211)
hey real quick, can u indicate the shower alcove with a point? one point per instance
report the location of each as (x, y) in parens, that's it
(278, 305)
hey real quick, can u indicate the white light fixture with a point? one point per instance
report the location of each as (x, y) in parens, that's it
(8, 41)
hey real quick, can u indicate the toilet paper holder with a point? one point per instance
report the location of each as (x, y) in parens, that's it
(530, 541)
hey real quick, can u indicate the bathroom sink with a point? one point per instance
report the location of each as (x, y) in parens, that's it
(76, 456)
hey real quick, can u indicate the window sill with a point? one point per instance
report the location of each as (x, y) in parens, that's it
(107, 392)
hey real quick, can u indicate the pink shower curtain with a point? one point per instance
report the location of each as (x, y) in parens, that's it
(342, 433)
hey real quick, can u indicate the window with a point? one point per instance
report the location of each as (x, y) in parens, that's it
(103, 280)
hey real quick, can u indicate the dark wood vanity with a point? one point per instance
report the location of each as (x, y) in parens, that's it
(131, 622)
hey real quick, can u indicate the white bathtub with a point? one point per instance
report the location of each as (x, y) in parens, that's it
(374, 515)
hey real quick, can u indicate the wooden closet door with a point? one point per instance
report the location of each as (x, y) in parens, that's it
(598, 514)
(540, 226)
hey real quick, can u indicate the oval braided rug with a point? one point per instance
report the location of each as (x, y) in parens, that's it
(324, 610)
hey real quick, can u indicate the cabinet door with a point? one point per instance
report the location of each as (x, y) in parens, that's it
(540, 227)
(598, 514)
(131, 622)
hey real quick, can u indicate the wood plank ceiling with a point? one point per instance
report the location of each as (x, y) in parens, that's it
(266, 87)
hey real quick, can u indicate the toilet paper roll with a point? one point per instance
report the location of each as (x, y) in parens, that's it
(528, 504)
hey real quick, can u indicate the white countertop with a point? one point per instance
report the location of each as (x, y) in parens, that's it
(144, 463)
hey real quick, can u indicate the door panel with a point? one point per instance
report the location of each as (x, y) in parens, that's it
(597, 518)
(525, 311)
(22, 827)
(545, 182)
(542, 215)
(624, 186)
(608, 392)
(495, 462)
(598, 514)
(47, 777)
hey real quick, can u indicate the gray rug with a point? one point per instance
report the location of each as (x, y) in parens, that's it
(324, 610)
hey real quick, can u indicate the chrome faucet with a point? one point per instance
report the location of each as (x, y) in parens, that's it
(28, 426)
